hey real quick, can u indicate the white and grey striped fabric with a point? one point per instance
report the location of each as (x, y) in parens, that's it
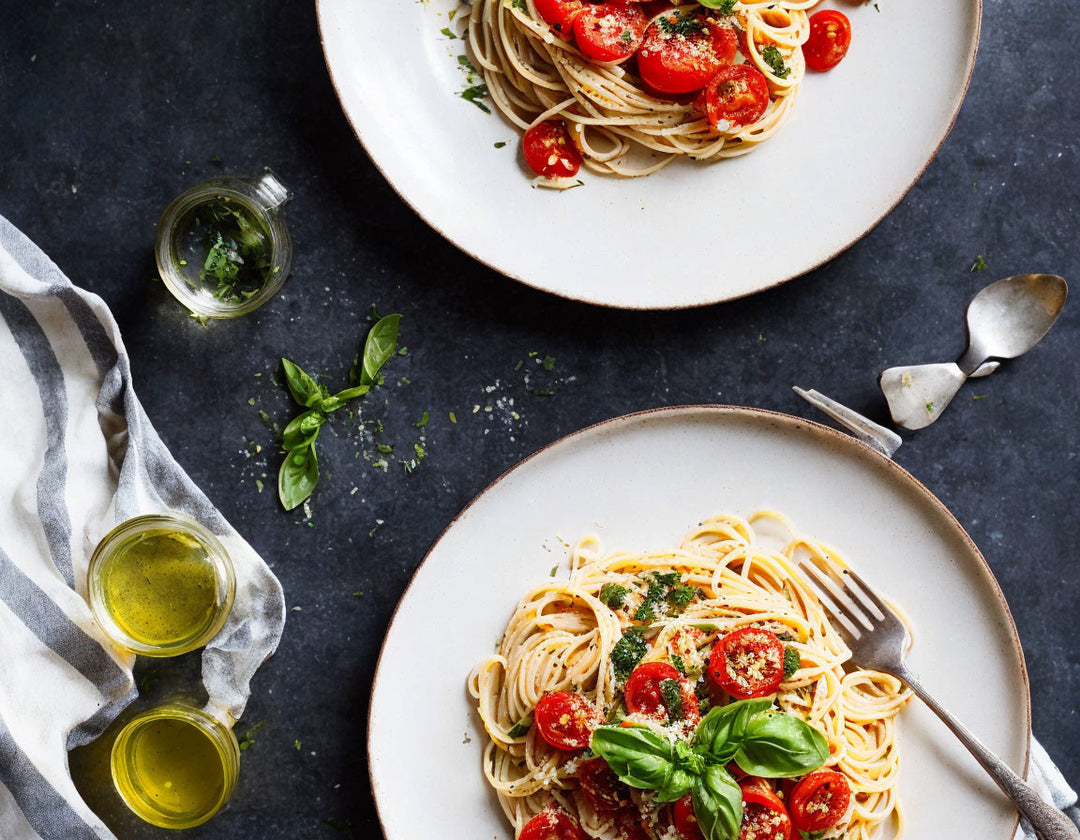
(79, 456)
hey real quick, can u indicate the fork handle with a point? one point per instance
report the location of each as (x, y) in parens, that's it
(1049, 822)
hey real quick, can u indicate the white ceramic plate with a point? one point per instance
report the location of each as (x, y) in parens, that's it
(691, 234)
(640, 482)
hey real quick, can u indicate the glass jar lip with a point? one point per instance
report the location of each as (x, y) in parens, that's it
(242, 190)
(216, 554)
(220, 735)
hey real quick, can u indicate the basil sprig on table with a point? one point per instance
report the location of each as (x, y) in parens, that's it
(299, 471)
(762, 741)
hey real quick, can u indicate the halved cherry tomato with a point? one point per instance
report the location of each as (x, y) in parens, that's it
(684, 819)
(679, 54)
(560, 14)
(601, 787)
(819, 801)
(748, 662)
(609, 32)
(549, 151)
(628, 822)
(764, 817)
(566, 720)
(550, 824)
(644, 693)
(830, 37)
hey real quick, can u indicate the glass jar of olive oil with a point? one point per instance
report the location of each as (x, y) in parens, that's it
(222, 248)
(161, 585)
(174, 765)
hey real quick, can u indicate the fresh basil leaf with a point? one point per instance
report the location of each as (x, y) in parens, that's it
(717, 802)
(341, 397)
(302, 430)
(305, 390)
(640, 758)
(298, 476)
(780, 746)
(378, 348)
(721, 731)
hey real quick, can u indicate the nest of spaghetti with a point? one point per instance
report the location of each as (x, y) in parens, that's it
(590, 66)
(634, 640)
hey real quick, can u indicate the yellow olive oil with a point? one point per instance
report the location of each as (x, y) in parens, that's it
(175, 766)
(160, 586)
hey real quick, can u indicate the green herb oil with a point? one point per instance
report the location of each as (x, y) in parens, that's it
(223, 247)
(160, 588)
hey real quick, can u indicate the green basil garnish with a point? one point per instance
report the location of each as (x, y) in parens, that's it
(299, 471)
(717, 802)
(777, 746)
(762, 741)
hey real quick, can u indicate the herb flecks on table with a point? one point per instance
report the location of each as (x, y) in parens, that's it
(299, 471)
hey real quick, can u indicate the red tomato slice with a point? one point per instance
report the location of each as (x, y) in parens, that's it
(684, 819)
(566, 720)
(680, 54)
(550, 824)
(830, 37)
(819, 801)
(609, 32)
(559, 14)
(764, 817)
(549, 151)
(601, 787)
(644, 692)
(628, 821)
(748, 662)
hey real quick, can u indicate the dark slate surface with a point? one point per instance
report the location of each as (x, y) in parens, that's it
(108, 110)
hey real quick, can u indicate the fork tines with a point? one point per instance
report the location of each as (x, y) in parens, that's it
(852, 603)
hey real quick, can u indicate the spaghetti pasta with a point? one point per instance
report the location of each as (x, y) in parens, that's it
(726, 575)
(533, 73)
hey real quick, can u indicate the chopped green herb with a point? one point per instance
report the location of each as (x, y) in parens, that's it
(792, 662)
(775, 60)
(423, 421)
(384, 448)
(554, 570)
(978, 396)
(929, 407)
(681, 595)
(548, 363)
(683, 24)
(447, 32)
(627, 653)
(520, 728)
(499, 144)
(613, 595)
(453, 417)
(671, 692)
(677, 664)
(520, 4)
(627, 36)
(474, 94)
(296, 744)
(979, 264)
(248, 738)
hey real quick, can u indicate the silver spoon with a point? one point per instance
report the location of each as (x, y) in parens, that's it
(1004, 320)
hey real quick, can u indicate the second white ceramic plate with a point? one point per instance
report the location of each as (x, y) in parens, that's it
(640, 482)
(690, 234)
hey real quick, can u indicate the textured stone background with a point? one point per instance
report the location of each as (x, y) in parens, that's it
(110, 109)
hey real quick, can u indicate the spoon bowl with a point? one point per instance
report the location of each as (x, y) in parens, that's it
(1007, 318)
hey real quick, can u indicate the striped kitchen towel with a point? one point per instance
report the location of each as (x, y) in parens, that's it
(80, 456)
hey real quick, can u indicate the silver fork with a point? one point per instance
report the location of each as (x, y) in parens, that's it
(878, 641)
